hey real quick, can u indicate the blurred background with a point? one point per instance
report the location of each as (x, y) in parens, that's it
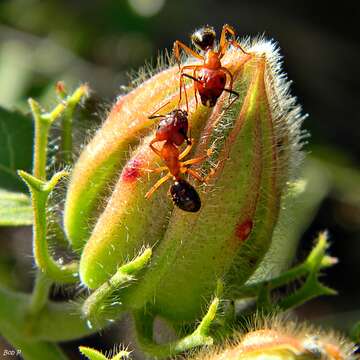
(102, 42)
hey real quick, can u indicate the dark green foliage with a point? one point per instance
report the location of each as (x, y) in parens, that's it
(16, 145)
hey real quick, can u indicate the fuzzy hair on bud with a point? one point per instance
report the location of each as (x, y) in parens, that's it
(280, 338)
(251, 150)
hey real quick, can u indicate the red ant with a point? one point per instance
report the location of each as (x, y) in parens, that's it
(173, 130)
(209, 77)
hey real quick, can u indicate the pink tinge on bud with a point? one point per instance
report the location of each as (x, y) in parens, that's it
(132, 170)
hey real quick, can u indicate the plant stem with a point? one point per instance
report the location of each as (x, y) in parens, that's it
(42, 127)
(39, 194)
(67, 122)
(311, 289)
(95, 305)
(144, 330)
(312, 286)
(42, 123)
(41, 142)
(281, 280)
(40, 293)
(60, 321)
(25, 321)
(316, 260)
(40, 190)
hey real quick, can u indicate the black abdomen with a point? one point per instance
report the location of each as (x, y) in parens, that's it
(185, 196)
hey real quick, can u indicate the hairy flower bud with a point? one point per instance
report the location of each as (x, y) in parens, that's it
(255, 147)
(283, 340)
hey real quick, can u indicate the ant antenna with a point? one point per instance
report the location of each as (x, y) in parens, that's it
(153, 116)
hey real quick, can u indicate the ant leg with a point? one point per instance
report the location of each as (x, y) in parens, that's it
(179, 45)
(232, 92)
(195, 80)
(198, 159)
(224, 42)
(195, 92)
(182, 85)
(150, 117)
(199, 177)
(186, 150)
(153, 148)
(157, 185)
(230, 75)
(194, 161)
(153, 116)
(157, 170)
(236, 44)
(195, 175)
(191, 77)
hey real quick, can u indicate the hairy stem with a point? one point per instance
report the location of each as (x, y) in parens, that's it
(95, 305)
(317, 259)
(144, 321)
(40, 293)
(42, 123)
(39, 194)
(55, 322)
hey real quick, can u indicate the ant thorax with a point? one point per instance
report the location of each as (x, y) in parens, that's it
(209, 74)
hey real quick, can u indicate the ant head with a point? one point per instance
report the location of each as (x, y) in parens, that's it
(204, 38)
(180, 115)
(174, 127)
(180, 127)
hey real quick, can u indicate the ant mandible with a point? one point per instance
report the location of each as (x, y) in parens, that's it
(209, 77)
(173, 130)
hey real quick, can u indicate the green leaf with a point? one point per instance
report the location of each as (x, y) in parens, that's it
(16, 146)
(15, 209)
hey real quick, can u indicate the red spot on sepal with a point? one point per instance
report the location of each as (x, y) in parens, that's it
(243, 230)
(132, 170)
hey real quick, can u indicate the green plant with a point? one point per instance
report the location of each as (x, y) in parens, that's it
(145, 256)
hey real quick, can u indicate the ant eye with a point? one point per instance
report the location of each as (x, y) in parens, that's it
(204, 38)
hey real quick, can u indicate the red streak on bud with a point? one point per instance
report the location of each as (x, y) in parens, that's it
(60, 88)
(243, 230)
(132, 171)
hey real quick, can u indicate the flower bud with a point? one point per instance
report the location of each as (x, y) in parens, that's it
(254, 146)
(102, 159)
(283, 340)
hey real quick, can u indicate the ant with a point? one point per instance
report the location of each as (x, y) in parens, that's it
(209, 77)
(173, 130)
